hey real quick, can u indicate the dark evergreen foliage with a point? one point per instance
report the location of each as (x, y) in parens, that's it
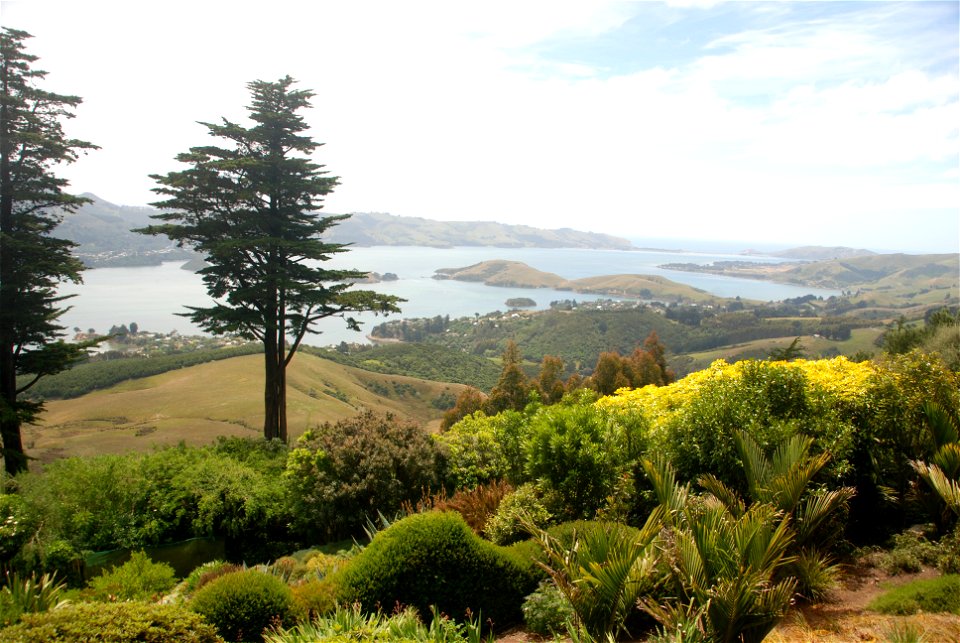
(32, 262)
(252, 210)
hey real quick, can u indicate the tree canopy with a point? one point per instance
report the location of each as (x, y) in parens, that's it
(32, 262)
(251, 208)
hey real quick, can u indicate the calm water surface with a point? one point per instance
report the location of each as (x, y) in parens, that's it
(152, 295)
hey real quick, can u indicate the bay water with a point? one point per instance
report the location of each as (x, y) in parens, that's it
(152, 296)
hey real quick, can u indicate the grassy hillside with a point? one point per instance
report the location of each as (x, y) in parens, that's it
(862, 340)
(516, 274)
(196, 404)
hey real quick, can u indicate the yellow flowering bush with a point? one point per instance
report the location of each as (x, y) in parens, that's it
(867, 415)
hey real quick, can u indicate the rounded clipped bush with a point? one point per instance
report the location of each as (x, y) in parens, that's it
(241, 604)
(435, 559)
(112, 623)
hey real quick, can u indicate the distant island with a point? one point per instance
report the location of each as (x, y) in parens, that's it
(516, 274)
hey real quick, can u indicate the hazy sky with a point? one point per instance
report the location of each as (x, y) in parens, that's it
(815, 122)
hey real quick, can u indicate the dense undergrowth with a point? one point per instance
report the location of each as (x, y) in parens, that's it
(712, 503)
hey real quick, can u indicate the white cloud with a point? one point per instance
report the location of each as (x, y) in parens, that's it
(449, 110)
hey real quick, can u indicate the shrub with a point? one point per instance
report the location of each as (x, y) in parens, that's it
(579, 451)
(505, 526)
(127, 622)
(339, 474)
(241, 604)
(476, 505)
(207, 572)
(15, 525)
(137, 579)
(949, 560)
(909, 553)
(315, 597)
(547, 611)
(434, 559)
(932, 595)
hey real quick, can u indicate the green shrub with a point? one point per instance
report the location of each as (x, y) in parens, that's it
(15, 525)
(127, 622)
(547, 611)
(580, 451)
(505, 526)
(134, 501)
(315, 597)
(340, 474)
(910, 552)
(949, 560)
(932, 595)
(241, 604)
(434, 559)
(137, 579)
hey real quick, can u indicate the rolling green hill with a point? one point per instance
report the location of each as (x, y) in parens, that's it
(196, 404)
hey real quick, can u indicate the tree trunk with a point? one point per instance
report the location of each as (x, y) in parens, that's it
(13, 457)
(271, 384)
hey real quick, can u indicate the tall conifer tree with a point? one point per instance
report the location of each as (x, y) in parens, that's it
(32, 263)
(252, 210)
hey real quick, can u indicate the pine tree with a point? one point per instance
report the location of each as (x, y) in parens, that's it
(252, 210)
(32, 262)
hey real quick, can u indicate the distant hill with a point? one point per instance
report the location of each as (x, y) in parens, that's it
(103, 232)
(918, 279)
(822, 253)
(516, 274)
(376, 229)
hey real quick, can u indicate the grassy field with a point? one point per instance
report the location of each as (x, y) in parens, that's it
(197, 404)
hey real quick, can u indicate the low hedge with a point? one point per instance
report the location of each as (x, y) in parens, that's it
(112, 623)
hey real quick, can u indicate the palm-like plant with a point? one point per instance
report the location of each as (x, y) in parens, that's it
(783, 481)
(942, 472)
(603, 571)
(727, 564)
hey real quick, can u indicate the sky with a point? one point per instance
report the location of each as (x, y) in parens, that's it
(826, 123)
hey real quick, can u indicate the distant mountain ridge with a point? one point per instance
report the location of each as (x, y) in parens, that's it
(102, 231)
(379, 229)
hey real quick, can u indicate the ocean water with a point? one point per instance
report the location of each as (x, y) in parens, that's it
(152, 296)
